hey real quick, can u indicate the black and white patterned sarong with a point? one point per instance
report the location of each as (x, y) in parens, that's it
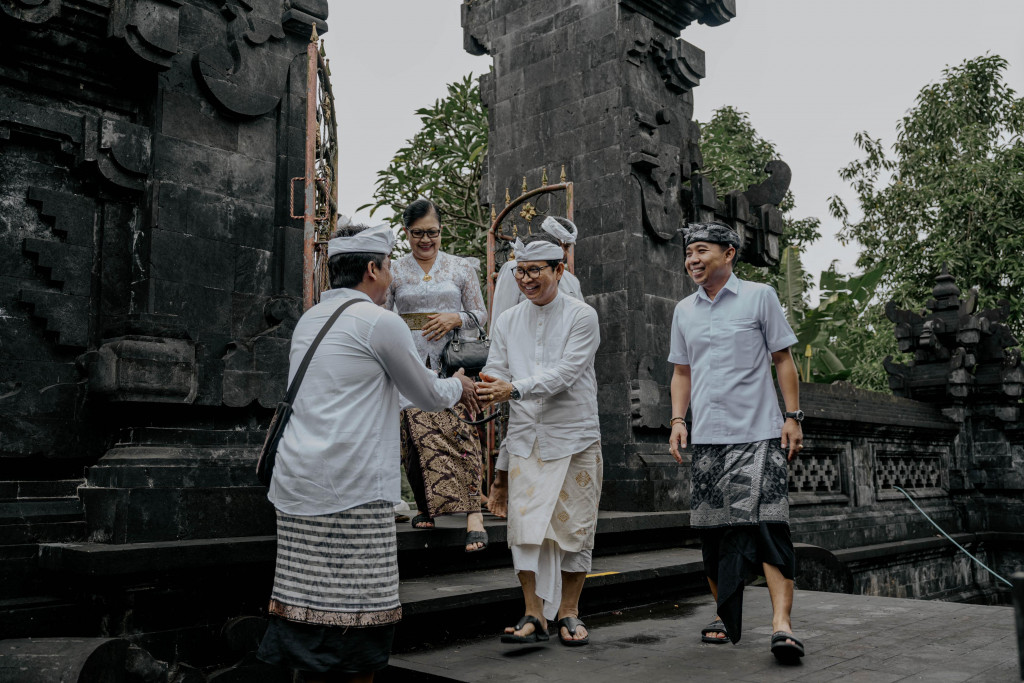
(339, 569)
(739, 484)
(740, 502)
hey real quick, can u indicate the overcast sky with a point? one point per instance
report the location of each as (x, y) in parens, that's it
(810, 73)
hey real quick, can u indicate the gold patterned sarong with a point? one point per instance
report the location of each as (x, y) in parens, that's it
(416, 321)
(555, 499)
(442, 456)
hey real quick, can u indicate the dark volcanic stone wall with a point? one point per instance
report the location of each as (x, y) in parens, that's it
(605, 89)
(146, 249)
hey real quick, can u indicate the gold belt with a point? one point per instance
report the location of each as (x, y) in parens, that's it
(416, 321)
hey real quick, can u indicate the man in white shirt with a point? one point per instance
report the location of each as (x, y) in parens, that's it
(549, 470)
(725, 338)
(506, 292)
(335, 603)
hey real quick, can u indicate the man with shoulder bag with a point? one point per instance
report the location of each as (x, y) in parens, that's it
(336, 477)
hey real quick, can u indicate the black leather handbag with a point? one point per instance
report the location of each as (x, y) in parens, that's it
(268, 453)
(470, 354)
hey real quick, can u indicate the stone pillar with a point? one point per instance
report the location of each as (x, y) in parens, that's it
(152, 270)
(606, 88)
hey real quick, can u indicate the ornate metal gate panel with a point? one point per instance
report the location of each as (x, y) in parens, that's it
(503, 231)
(320, 182)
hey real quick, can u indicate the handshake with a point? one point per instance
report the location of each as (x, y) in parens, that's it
(476, 396)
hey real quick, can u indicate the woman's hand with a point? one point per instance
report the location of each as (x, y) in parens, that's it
(441, 324)
(493, 390)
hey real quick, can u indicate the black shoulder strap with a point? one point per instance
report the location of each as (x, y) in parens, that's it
(293, 388)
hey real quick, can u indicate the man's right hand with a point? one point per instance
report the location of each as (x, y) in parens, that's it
(468, 392)
(497, 498)
(677, 441)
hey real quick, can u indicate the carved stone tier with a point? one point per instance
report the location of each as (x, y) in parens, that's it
(150, 279)
(963, 358)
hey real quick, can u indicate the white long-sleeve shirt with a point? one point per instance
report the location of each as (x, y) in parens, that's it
(507, 294)
(547, 353)
(341, 447)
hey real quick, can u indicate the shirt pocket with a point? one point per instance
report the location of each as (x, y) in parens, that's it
(745, 340)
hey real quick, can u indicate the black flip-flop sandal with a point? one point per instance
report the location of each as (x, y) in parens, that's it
(420, 519)
(571, 624)
(476, 537)
(786, 653)
(715, 626)
(539, 633)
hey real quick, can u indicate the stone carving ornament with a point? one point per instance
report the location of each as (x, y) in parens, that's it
(31, 11)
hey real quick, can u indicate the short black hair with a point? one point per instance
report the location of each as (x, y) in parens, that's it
(417, 210)
(346, 270)
(544, 237)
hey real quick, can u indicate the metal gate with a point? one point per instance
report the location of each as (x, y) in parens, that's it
(503, 231)
(320, 181)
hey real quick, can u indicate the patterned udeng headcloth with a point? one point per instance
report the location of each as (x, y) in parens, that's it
(716, 233)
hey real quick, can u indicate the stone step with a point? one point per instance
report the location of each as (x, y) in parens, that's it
(36, 615)
(437, 609)
(63, 531)
(61, 488)
(633, 572)
(421, 552)
(40, 510)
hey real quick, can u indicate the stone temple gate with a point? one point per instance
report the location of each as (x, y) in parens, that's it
(606, 91)
(151, 270)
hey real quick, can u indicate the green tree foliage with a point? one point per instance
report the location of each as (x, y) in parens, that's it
(951, 191)
(734, 158)
(443, 162)
(831, 336)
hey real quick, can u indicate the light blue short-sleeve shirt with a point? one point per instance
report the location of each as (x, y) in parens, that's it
(728, 344)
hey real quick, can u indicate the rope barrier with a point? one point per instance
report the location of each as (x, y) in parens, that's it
(983, 565)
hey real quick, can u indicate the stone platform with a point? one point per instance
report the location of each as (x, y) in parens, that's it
(849, 638)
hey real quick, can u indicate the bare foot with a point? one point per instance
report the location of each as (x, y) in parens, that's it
(721, 635)
(422, 521)
(474, 522)
(581, 630)
(786, 626)
(526, 630)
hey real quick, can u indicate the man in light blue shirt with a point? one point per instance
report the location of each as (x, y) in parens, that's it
(722, 338)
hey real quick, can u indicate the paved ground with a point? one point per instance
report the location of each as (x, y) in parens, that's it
(849, 638)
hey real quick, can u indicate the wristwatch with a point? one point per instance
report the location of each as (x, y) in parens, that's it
(515, 396)
(797, 415)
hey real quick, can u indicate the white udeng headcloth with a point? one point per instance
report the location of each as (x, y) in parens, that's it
(376, 240)
(559, 231)
(539, 250)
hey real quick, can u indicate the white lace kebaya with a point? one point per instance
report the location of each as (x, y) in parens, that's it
(451, 286)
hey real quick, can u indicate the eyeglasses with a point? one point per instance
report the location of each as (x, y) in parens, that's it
(417, 234)
(532, 271)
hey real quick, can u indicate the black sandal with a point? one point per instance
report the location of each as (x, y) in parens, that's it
(539, 634)
(786, 653)
(476, 537)
(421, 519)
(571, 624)
(715, 626)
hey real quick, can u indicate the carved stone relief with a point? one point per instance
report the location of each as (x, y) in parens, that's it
(241, 75)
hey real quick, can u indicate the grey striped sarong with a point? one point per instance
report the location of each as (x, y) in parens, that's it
(339, 569)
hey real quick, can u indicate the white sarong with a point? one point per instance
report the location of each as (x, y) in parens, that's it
(552, 517)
